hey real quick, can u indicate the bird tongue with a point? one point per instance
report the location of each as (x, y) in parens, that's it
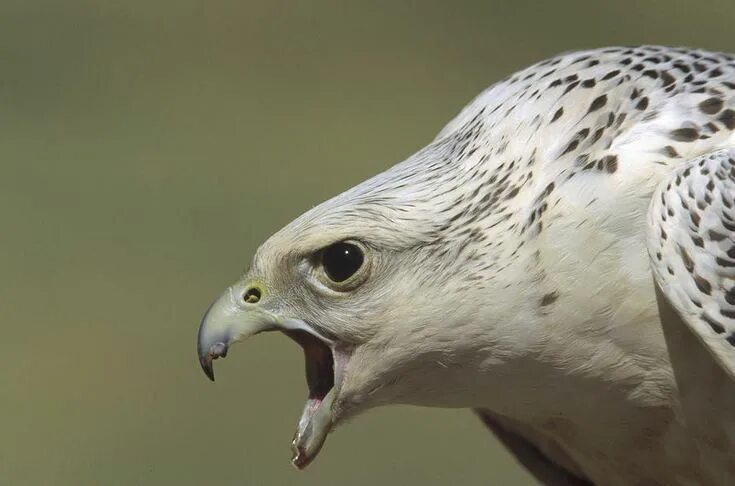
(313, 428)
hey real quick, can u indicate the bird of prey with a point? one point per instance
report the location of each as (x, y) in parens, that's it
(560, 258)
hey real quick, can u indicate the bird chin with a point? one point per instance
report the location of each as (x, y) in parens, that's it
(324, 368)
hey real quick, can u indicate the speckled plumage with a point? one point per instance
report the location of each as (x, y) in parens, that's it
(510, 268)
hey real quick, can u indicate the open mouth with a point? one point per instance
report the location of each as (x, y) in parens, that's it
(321, 370)
(316, 418)
(325, 361)
(319, 367)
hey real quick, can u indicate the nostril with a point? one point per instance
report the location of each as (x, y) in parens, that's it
(252, 295)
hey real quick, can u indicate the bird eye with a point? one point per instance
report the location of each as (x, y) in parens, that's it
(342, 260)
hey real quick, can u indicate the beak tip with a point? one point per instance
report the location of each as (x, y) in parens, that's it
(298, 460)
(206, 363)
(210, 374)
(206, 357)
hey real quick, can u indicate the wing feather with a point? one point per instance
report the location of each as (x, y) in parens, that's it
(691, 244)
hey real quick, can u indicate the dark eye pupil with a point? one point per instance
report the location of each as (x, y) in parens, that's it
(341, 261)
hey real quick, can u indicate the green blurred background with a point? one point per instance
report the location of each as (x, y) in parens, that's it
(148, 147)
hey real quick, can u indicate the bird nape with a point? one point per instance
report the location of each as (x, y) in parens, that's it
(510, 267)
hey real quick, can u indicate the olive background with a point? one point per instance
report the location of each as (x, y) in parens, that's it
(148, 147)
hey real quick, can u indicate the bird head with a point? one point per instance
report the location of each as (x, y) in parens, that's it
(374, 286)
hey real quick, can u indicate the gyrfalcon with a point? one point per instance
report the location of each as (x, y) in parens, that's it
(560, 258)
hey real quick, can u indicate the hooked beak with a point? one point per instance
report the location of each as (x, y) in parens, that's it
(226, 322)
(230, 319)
